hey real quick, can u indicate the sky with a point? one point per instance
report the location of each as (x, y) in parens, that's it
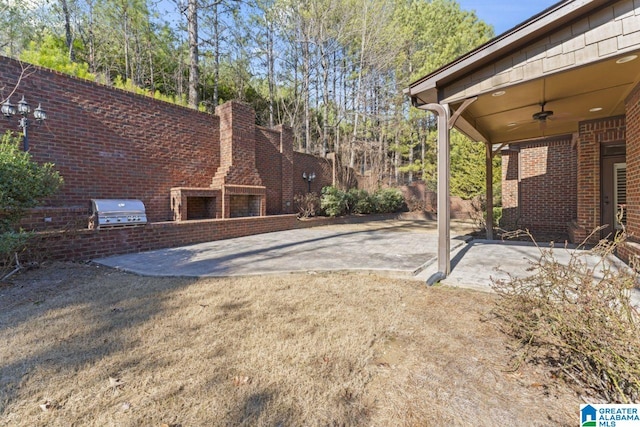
(505, 14)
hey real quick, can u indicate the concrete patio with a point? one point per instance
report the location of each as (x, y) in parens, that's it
(401, 248)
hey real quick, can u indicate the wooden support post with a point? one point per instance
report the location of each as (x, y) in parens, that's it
(444, 202)
(489, 187)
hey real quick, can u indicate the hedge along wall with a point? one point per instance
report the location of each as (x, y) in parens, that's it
(109, 143)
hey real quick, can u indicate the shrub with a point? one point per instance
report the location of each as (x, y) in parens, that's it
(333, 201)
(578, 319)
(388, 200)
(308, 205)
(361, 202)
(23, 184)
(416, 204)
(11, 243)
(497, 215)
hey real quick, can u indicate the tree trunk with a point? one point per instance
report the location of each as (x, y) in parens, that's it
(216, 55)
(271, 66)
(359, 86)
(192, 22)
(125, 27)
(325, 115)
(305, 89)
(67, 30)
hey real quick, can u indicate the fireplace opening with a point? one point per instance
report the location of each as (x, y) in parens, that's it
(241, 205)
(201, 207)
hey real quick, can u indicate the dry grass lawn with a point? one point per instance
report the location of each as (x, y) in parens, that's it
(82, 345)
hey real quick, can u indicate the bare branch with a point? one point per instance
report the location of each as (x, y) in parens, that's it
(26, 71)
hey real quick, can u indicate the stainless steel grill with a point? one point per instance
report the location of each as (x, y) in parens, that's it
(117, 213)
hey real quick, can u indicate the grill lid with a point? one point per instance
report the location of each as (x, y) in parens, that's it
(117, 212)
(101, 206)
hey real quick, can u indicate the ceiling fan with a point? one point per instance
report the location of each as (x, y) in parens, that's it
(539, 117)
(542, 115)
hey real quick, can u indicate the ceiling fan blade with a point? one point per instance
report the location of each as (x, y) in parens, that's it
(543, 126)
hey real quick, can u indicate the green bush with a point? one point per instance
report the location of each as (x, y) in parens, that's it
(388, 200)
(12, 242)
(497, 215)
(23, 184)
(361, 202)
(333, 201)
(336, 202)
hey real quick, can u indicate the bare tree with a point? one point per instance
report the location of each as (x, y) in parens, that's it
(192, 30)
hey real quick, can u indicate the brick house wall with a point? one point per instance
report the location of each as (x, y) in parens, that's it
(539, 184)
(510, 186)
(109, 143)
(591, 135)
(630, 251)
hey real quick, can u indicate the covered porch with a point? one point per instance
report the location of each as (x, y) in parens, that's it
(557, 97)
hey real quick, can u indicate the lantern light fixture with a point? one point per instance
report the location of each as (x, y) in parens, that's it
(8, 110)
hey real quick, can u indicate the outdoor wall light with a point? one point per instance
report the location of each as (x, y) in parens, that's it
(309, 177)
(9, 110)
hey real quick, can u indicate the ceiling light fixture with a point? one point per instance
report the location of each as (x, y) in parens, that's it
(626, 59)
(595, 109)
(498, 93)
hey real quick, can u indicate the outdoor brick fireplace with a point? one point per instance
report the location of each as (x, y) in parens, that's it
(236, 188)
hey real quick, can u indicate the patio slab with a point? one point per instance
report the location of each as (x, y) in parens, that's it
(406, 249)
(478, 263)
(331, 248)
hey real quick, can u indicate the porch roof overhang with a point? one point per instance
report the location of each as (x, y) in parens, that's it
(576, 57)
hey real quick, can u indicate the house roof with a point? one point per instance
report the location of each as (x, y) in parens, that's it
(576, 58)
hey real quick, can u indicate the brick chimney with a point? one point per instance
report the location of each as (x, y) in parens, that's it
(237, 146)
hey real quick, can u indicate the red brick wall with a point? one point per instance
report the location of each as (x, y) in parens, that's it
(591, 135)
(108, 143)
(307, 163)
(510, 185)
(89, 244)
(633, 176)
(540, 194)
(269, 165)
(238, 145)
(286, 150)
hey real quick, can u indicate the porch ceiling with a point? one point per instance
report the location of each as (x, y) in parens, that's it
(571, 95)
(568, 57)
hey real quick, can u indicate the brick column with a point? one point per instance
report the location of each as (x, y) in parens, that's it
(286, 149)
(237, 146)
(591, 135)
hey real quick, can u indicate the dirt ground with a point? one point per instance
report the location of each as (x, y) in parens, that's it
(91, 346)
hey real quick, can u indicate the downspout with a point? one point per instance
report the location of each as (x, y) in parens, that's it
(444, 166)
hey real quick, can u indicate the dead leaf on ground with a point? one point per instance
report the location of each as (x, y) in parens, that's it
(241, 380)
(115, 382)
(46, 406)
